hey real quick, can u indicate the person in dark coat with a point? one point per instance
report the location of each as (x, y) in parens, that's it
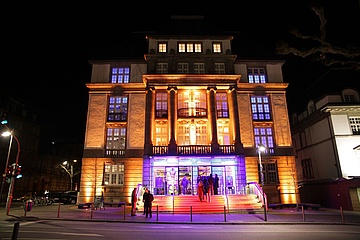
(216, 184)
(148, 199)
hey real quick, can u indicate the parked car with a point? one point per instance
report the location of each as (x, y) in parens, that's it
(68, 197)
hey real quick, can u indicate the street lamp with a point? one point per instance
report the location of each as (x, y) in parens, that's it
(12, 180)
(65, 165)
(262, 148)
(6, 134)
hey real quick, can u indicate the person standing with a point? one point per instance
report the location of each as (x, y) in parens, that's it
(143, 199)
(211, 184)
(133, 202)
(200, 190)
(216, 184)
(148, 199)
(184, 185)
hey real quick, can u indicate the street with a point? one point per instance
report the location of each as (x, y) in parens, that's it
(85, 230)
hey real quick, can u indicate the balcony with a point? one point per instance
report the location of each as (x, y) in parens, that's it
(194, 150)
(192, 112)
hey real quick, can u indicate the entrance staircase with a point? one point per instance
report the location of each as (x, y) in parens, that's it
(218, 203)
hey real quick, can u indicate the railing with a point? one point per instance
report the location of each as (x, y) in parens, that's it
(192, 112)
(115, 153)
(254, 188)
(193, 149)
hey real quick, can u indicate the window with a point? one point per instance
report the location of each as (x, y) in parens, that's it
(189, 47)
(219, 68)
(264, 136)
(307, 169)
(199, 68)
(355, 125)
(216, 47)
(260, 108)
(114, 174)
(162, 68)
(223, 133)
(311, 107)
(192, 104)
(222, 105)
(117, 109)
(116, 138)
(270, 173)
(183, 68)
(161, 134)
(256, 75)
(350, 95)
(162, 47)
(120, 75)
(192, 133)
(161, 110)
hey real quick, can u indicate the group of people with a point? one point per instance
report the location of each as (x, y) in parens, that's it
(148, 198)
(207, 186)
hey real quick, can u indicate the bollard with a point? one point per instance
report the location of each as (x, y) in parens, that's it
(15, 231)
(303, 213)
(58, 213)
(25, 208)
(190, 213)
(342, 214)
(92, 210)
(224, 213)
(124, 211)
(157, 213)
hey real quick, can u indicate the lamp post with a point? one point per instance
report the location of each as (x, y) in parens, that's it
(65, 165)
(12, 180)
(6, 134)
(262, 148)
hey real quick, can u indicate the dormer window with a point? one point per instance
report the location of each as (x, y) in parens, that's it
(120, 75)
(217, 48)
(256, 75)
(162, 47)
(189, 47)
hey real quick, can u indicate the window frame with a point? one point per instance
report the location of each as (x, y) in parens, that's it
(121, 76)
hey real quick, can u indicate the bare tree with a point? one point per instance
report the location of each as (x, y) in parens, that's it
(317, 48)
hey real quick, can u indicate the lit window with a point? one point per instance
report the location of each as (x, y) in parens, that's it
(120, 75)
(183, 68)
(189, 47)
(114, 174)
(117, 109)
(198, 47)
(199, 68)
(260, 108)
(162, 47)
(256, 75)
(116, 138)
(264, 136)
(161, 134)
(219, 68)
(161, 110)
(222, 105)
(162, 68)
(217, 47)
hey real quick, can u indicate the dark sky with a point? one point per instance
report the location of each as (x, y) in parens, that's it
(48, 46)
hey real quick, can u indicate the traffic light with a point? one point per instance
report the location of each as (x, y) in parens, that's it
(4, 120)
(18, 171)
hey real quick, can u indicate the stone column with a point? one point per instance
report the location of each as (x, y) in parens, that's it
(212, 117)
(149, 113)
(172, 111)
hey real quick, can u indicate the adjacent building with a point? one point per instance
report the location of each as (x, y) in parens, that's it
(189, 108)
(326, 138)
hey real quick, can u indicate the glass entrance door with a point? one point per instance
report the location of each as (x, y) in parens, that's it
(185, 180)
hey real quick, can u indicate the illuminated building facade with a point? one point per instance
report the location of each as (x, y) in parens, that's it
(326, 138)
(189, 108)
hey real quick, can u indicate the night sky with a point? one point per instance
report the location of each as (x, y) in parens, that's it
(48, 48)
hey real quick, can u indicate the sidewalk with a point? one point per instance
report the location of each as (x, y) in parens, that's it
(116, 214)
